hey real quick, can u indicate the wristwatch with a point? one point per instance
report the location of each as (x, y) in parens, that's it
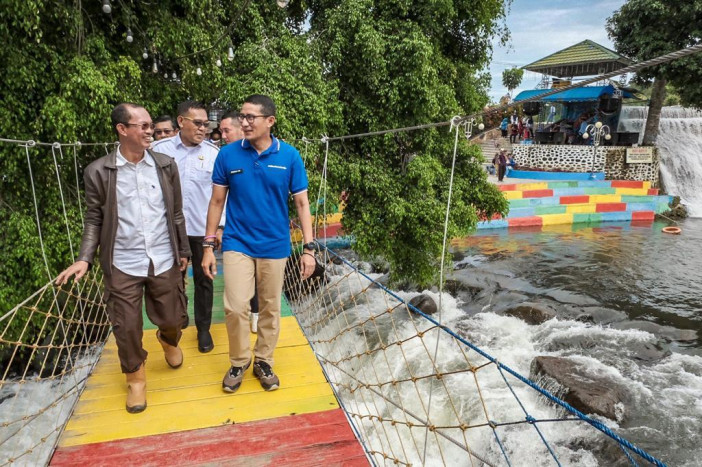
(309, 246)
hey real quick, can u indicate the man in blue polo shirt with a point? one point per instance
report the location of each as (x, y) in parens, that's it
(259, 174)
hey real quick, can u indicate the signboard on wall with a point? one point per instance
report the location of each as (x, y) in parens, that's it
(639, 155)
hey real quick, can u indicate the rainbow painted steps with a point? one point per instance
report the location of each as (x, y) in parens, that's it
(569, 202)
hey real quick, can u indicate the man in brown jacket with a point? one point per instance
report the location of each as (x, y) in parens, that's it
(134, 214)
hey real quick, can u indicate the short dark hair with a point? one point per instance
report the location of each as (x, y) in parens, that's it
(266, 103)
(233, 115)
(165, 118)
(185, 106)
(121, 113)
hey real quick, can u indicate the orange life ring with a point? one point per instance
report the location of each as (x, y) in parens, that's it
(672, 230)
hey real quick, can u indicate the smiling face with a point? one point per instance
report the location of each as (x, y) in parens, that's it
(136, 133)
(193, 126)
(260, 125)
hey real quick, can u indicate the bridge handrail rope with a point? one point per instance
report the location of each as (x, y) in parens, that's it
(54, 336)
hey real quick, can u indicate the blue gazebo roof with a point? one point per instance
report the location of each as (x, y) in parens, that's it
(584, 94)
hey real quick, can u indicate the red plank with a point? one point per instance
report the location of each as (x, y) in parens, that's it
(643, 216)
(510, 187)
(610, 207)
(319, 438)
(525, 221)
(653, 191)
(626, 184)
(579, 199)
(537, 193)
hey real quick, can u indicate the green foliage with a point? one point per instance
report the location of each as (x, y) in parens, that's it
(401, 63)
(512, 78)
(333, 68)
(645, 29)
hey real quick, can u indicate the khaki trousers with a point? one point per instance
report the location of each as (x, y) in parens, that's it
(244, 275)
(165, 306)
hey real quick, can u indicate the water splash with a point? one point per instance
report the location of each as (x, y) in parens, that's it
(680, 145)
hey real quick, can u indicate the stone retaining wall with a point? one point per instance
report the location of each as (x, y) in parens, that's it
(570, 158)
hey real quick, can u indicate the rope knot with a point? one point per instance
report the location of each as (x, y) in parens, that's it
(56, 145)
(324, 139)
(530, 419)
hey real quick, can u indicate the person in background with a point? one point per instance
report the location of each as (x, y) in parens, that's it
(195, 158)
(164, 127)
(503, 126)
(501, 161)
(231, 131)
(134, 217)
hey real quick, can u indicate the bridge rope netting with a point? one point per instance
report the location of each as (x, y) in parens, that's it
(50, 342)
(418, 392)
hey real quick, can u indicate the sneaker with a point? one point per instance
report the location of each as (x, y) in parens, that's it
(264, 373)
(233, 378)
(254, 323)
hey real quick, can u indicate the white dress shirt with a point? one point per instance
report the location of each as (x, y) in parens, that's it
(142, 228)
(195, 164)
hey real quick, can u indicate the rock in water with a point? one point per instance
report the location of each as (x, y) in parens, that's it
(531, 313)
(586, 392)
(424, 303)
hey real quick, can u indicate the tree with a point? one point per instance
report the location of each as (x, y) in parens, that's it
(645, 29)
(512, 78)
(66, 64)
(399, 64)
(333, 67)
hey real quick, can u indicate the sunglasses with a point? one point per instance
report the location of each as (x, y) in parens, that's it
(198, 123)
(143, 126)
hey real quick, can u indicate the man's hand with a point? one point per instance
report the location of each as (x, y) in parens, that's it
(79, 268)
(209, 263)
(307, 265)
(183, 264)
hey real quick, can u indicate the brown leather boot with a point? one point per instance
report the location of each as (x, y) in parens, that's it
(174, 355)
(136, 390)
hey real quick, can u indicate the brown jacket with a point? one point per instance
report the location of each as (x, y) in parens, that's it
(100, 228)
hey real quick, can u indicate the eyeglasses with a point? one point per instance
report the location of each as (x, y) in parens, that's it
(162, 131)
(250, 118)
(143, 126)
(198, 123)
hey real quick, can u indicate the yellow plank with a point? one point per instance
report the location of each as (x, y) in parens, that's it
(580, 208)
(647, 185)
(512, 194)
(632, 191)
(605, 198)
(552, 219)
(532, 186)
(191, 397)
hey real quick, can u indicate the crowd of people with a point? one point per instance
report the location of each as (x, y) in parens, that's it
(516, 128)
(168, 195)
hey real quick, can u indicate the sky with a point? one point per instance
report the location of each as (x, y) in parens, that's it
(540, 28)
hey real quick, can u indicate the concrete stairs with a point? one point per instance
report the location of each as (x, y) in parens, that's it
(569, 202)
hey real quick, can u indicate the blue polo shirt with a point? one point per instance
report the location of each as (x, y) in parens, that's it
(257, 205)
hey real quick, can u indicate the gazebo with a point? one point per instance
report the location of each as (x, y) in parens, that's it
(562, 114)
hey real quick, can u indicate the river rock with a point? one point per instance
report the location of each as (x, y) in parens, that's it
(588, 393)
(665, 332)
(531, 313)
(424, 303)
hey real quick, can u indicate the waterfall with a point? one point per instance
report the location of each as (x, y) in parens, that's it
(680, 147)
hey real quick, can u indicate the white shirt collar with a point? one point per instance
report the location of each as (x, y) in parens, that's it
(121, 160)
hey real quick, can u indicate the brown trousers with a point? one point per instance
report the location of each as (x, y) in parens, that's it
(243, 276)
(165, 307)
